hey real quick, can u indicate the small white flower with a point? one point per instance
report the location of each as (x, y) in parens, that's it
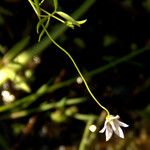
(111, 124)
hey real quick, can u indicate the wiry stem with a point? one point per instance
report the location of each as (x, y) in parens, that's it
(74, 63)
(77, 68)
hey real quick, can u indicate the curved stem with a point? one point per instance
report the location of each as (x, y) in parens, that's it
(74, 63)
(78, 70)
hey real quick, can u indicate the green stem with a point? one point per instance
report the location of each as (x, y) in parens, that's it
(48, 106)
(25, 56)
(74, 63)
(52, 15)
(78, 70)
(84, 140)
(31, 98)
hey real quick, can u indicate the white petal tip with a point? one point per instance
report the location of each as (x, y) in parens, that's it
(107, 139)
(101, 131)
(122, 137)
(122, 124)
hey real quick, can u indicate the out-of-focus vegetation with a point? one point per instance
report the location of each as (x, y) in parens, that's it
(43, 103)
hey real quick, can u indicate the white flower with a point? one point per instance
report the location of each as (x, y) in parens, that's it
(113, 124)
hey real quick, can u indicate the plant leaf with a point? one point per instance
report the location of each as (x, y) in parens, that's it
(68, 18)
(41, 21)
(55, 4)
(20, 83)
(38, 10)
(14, 51)
(42, 1)
(44, 27)
(81, 21)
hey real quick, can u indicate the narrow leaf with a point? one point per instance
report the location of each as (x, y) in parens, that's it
(40, 23)
(68, 18)
(44, 27)
(55, 4)
(81, 22)
(20, 83)
(42, 1)
(14, 51)
(38, 10)
(69, 24)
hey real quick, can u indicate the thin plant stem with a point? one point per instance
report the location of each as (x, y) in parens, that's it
(84, 141)
(74, 63)
(52, 15)
(78, 70)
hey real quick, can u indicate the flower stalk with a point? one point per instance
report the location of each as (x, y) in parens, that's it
(112, 123)
(70, 57)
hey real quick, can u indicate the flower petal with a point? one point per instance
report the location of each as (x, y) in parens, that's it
(119, 131)
(108, 133)
(104, 128)
(113, 125)
(122, 124)
(116, 117)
